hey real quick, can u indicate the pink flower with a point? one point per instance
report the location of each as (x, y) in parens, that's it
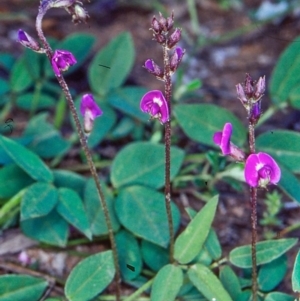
(90, 111)
(62, 60)
(227, 147)
(154, 103)
(261, 170)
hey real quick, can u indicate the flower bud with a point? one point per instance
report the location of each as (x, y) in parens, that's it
(159, 38)
(61, 3)
(248, 86)
(155, 25)
(170, 21)
(259, 88)
(26, 40)
(255, 112)
(174, 38)
(176, 58)
(153, 68)
(241, 94)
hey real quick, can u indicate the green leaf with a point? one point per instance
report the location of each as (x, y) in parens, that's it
(167, 283)
(289, 183)
(47, 141)
(80, 44)
(94, 210)
(295, 98)
(127, 100)
(207, 283)
(4, 86)
(143, 163)
(230, 282)
(272, 273)
(69, 179)
(213, 245)
(38, 200)
(154, 256)
(142, 211)
(50, 229)
(266, 251)
(277, 296)
(12, 180)
(285, 76)
(283, 146)
(27, 101)
(34, 62)
(20, 77)
(21, 288)
(26, 160)
(118, 55)
(70, 207)
(90, 277)
(296, 274)
(189, 243)
(201, 121)
(129, 254)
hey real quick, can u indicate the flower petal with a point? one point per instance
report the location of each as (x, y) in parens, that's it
(250, 172)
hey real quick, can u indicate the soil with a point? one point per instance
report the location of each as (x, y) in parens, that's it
(219, 65)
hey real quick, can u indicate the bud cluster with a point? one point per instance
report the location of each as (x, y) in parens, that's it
(250, 96)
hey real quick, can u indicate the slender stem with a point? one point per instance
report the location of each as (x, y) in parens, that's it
(253, 201)
(87, 152)
(168, 87)
(139, 291)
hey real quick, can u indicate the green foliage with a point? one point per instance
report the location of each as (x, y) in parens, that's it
(90, 277)
(296, 274)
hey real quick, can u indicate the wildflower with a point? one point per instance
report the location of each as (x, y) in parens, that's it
(153, 68)
(26, 40)
(62, 60)
(90, 111)
(154, 103)
(227, 147)
(261, 169)
(176, 58)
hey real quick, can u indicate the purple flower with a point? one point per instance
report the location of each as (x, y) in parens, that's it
(261, 170)
(89, 110)
(174, 38)
(154, 103)
(227, 147)
(176, 58)
(153, 68)
(62, 60)
(26, 40)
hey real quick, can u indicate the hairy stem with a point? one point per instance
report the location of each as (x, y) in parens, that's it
(253, 201)
(168, 87)
(87, 152)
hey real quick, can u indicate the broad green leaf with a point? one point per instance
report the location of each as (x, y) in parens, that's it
(212, 244)
(28, 100)
(285, 76)
(12, 180)
(189, 243)
(277, 296)
(38, 200)
(80, 44)
(21, 288)
(272, 273)
(69, 179)
(201, 121)
(4, 86)
(47, 141)
(90, 277)
(34, 62)
(94, 209)
(154, 256)
(143, 163)
(207, 283)
(142, 211)
(71, 208)
(129, 254)
(283, 146)
(26, 160)
(124, 128)
(296, 274)
(230, 282)
(295, 98)
(118, 55)
(20, 77)
(266, 251)
(289, 183)
(51, 229)
(7, 60)
(167, 283)
(127, 100)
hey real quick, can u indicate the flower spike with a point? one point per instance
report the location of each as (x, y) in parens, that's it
(154, 103)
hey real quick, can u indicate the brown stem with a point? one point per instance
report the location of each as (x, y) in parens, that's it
(168, 87)
(88, 155)
(253, 202)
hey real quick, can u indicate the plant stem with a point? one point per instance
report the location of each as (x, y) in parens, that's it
(253, 201)
(139, 291)
(168, 87)
(86, 150)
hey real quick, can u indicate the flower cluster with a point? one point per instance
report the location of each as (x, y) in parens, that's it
(154, 102)
(260, 169)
